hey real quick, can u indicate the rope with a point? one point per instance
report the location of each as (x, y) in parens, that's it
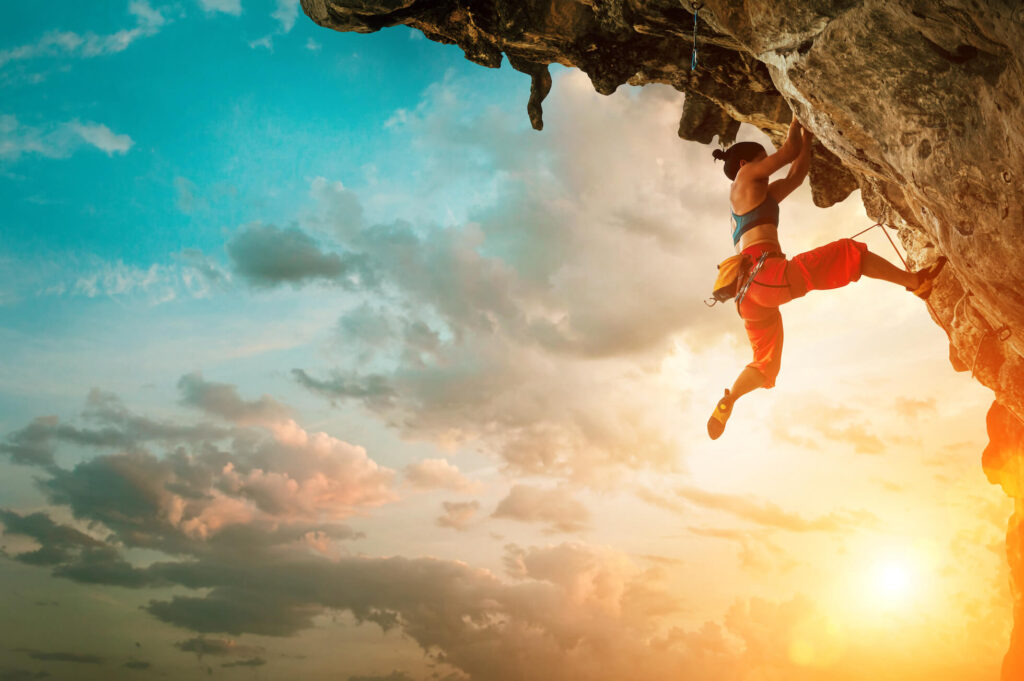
(1003, 333)
(898, 254)
(696, 6)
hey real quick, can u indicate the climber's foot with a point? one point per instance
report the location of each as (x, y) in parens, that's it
(716, 424)
(926, 277)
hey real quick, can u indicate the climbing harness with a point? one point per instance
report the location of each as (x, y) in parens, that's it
(753, 275)
(696, 7)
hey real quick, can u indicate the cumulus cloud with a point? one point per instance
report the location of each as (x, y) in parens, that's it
(519, 348)
(553, 507)
(265, 255)
(438, 474)
(112, 426)
(241, 560)
(458, 514)
(274, 485)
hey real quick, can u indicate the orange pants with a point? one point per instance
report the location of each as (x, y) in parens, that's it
(780, 281)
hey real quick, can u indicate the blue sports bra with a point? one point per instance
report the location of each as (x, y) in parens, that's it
(765, 214)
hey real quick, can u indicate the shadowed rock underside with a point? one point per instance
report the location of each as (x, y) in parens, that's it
(919, 104)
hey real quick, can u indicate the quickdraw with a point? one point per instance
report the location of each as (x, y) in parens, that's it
(750, 278)
(696, 7)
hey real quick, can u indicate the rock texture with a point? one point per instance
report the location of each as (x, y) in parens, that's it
(918, 103)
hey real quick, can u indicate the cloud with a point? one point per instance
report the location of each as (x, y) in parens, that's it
(101, 137)
(458, 515)
(266, 42)
(57, 140)
(914, 408)
(148, 20)
(185, 190)
(59, 542)
(16, 674)
(216, 647)
(251, 662)
(46, 656)
(223, 400)
(286, 13)
(523, 351)
(438, 474)
(137, 664)
(271, 486)
(373, 388)
(393, 676)
(770, 515)
(757, 553)
(820, 421)
(233, 7)
(553, 507)
(266, 256)
(191, 274)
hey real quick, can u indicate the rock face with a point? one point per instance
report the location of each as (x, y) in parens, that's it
(918, 103)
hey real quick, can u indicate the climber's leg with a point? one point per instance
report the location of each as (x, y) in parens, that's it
(826, 267)
(877, 267)
(844, 261)
(748, 380)
(764, 329)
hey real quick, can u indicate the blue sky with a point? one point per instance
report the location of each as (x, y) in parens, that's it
(207, 129)
(278, 301)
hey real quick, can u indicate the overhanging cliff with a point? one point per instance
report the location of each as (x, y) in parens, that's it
(920, 105)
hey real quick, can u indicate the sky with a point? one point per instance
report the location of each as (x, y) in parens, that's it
(320, 362)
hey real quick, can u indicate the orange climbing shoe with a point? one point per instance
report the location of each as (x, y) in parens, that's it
(716, 424)
(928, 275)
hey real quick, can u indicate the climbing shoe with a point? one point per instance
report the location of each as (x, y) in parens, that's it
(927, 277)
(716, 424)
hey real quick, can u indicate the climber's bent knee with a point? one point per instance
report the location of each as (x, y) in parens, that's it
(826, 267)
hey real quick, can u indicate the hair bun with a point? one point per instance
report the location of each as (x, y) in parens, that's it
(718, 154)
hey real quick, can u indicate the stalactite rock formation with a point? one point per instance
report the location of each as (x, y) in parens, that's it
(918, 103)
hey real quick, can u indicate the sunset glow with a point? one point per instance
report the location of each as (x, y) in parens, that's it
(320, 363)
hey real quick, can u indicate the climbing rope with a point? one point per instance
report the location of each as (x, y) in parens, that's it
(1003, 333)
(696, 6)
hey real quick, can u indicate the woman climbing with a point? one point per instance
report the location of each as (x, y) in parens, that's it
(776, 279)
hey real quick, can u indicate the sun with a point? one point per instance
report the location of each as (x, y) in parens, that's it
(892, 581)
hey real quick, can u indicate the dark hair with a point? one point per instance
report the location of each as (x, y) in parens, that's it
(741, 151)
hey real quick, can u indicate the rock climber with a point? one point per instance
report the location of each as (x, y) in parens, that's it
(776, 278)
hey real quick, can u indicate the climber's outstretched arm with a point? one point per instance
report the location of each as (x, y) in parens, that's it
(780, 189)
(787, 153)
